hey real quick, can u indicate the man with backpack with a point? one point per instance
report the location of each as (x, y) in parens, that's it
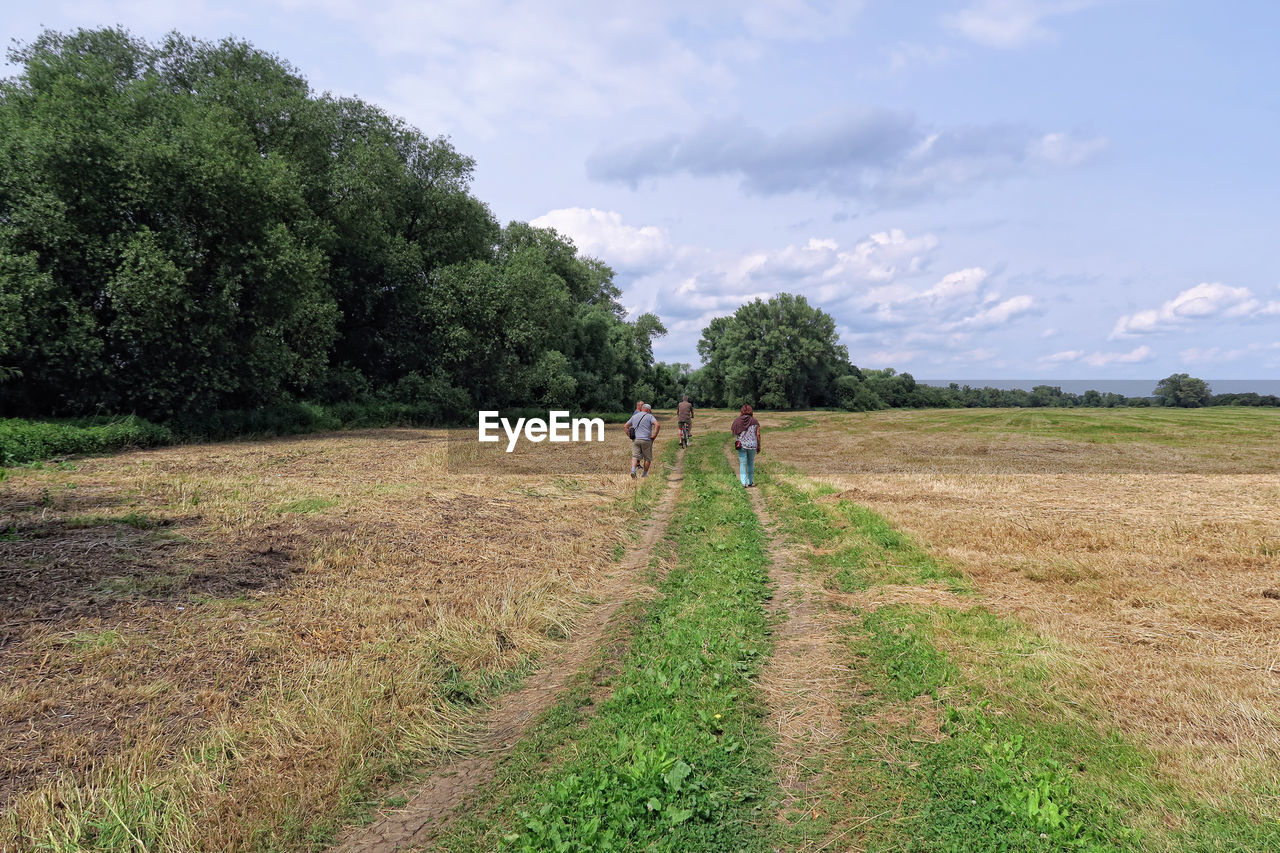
(642, 429)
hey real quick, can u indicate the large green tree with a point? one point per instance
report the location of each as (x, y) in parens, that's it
(165, 258)
(1183, 390)
(779, 354)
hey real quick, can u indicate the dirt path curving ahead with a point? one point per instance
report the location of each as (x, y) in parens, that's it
(434, 807)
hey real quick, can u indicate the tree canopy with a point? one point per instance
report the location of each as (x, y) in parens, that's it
(185, 226)
(780, 354)
(1184, 391)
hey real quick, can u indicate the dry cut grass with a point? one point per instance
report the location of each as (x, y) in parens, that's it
(218, 647)
(1164, 585)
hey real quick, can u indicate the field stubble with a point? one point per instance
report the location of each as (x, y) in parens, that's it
(214, 647)
(1151, 555)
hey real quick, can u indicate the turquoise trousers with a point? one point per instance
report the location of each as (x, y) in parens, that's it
(746, 466)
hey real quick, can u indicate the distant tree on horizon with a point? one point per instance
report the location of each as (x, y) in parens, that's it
(1183, 391)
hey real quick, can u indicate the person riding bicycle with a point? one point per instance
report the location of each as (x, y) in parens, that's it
(684, 418)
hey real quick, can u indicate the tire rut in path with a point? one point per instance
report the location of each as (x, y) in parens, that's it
(804, 681)
(432, 809)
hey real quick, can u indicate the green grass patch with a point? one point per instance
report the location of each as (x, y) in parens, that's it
(302, 506)
(676, 758)
(854, 547)
(1170, 427)
(104, 639)
(795, 422)
(23, 441)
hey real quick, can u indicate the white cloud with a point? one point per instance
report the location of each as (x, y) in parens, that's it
(828, 273)
(797, 20)
(602, 234)
(999, 314)
(493, 65)
(884, 255)
(1134, 356)
(868, 287)
(1064, 357)
(1207, 300)
(898, 302)
(977, 354)
(1060, 149)
(705, 283)
(1209, 355)
(905, 56)
(490, 66)
(956, 285)
(888, 358)
(1010, 23)
(1098, 358)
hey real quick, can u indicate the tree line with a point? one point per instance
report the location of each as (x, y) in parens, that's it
(784, 354)
(185, 228)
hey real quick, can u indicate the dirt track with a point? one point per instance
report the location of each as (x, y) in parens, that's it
(804, 682)
(433, 808)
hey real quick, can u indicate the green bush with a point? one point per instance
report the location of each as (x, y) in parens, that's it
(852, 394)
(23, 441)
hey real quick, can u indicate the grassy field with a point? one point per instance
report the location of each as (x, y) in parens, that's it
(1023, 630)
(233, 646)
(1132, 556)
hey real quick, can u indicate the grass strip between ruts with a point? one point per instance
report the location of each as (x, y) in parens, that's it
(676, 758)
(956, 756)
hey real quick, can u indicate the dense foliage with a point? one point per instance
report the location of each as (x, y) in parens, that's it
(1185, 391)
(24, 441)
(186, 228)
(779, 354)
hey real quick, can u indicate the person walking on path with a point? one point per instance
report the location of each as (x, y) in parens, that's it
(746, 431)
(642, 428)
(684, 416)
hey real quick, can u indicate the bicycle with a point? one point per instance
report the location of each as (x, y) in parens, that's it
(686, 430)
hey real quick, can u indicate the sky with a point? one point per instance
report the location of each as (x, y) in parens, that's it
(971, 188)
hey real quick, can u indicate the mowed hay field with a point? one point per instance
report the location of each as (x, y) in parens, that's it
(233, 646)
(1144, 545)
